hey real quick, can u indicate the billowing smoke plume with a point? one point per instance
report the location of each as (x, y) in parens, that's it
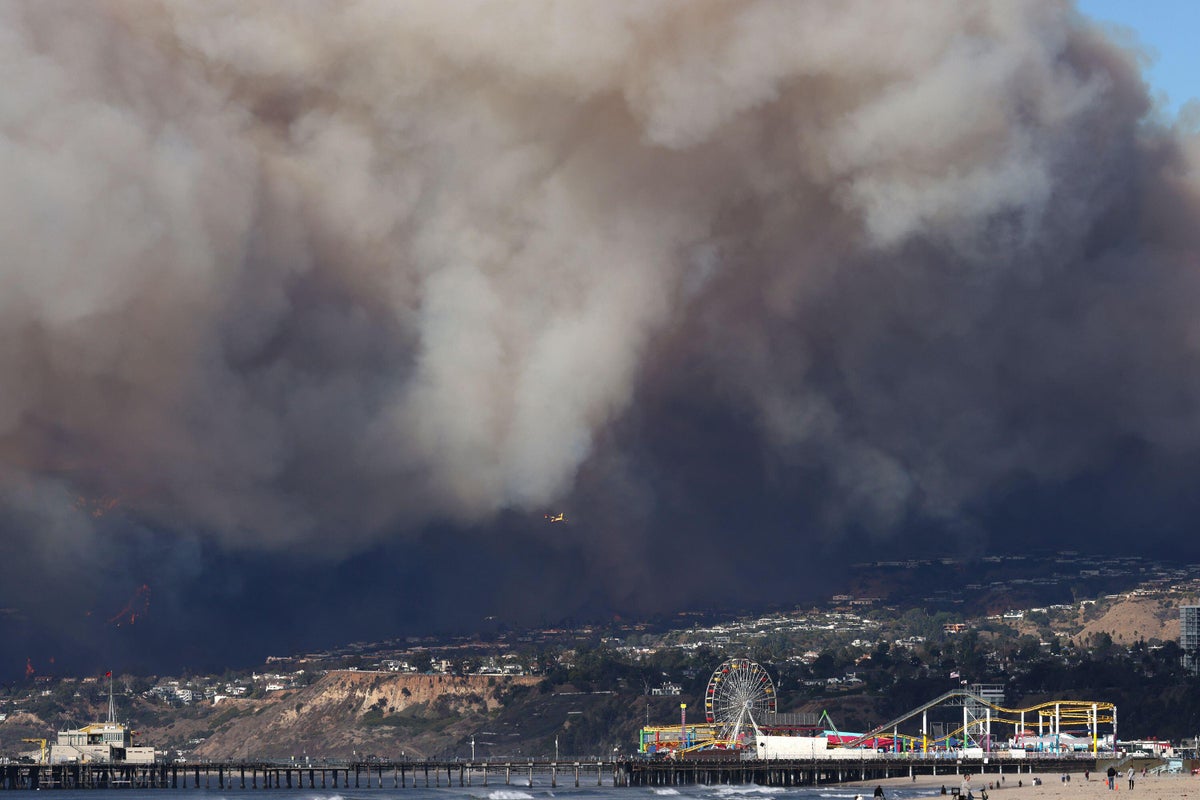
(325, 274)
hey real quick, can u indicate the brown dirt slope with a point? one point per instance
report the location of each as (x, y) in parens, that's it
(349, 713)
(1130, 619)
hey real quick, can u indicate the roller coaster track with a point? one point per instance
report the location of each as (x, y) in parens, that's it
(1071, 711)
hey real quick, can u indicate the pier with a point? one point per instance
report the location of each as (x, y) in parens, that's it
(324, 775)
(425, 774)
(821, 772)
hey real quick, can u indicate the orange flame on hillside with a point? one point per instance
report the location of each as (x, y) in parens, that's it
(137, 606)
(97, 507)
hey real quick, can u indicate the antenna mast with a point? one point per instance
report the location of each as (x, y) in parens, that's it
(112, 714)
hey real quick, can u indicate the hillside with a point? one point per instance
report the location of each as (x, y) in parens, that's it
(1130, 619)
(1126, 619)
(589, 700)
(349, 712)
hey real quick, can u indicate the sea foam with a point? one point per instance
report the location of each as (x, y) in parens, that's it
(735, 790)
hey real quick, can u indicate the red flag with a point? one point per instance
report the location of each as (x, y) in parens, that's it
(108, 674)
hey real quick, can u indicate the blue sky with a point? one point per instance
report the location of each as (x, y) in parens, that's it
(1169, 30)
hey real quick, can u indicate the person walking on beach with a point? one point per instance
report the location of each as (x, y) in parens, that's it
(879, 792)
(1129, 775)
(1112, 778)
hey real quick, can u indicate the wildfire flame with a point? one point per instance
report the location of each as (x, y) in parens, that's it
(29, 668)
(138, 605)
(97, 507)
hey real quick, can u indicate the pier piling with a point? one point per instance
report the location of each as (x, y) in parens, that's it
(625, 772)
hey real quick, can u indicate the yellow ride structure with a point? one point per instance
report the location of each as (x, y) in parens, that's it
(41, 743)
(1046, 723)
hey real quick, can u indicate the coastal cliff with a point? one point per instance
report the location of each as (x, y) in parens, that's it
(365, 713)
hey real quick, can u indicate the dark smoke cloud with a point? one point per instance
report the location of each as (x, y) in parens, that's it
(313, 280)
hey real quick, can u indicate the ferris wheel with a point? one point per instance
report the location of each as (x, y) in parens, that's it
(739, 693)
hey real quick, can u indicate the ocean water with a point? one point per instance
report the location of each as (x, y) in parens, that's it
(539, 791)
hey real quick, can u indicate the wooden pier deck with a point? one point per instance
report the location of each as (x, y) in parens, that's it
(785, 773)
(289, 775)
(414, 774)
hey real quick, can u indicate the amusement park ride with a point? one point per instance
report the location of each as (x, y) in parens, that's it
(740, 718)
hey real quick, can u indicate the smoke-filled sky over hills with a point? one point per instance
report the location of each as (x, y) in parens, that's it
(324, 305)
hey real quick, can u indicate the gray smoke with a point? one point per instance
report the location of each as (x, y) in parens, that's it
(326, 272)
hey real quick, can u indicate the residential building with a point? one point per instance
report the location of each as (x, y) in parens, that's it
(1189, 636)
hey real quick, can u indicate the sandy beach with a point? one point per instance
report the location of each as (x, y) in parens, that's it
(1021, 787)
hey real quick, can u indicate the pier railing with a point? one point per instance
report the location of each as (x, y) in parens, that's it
(291, 775)
(621, 771)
